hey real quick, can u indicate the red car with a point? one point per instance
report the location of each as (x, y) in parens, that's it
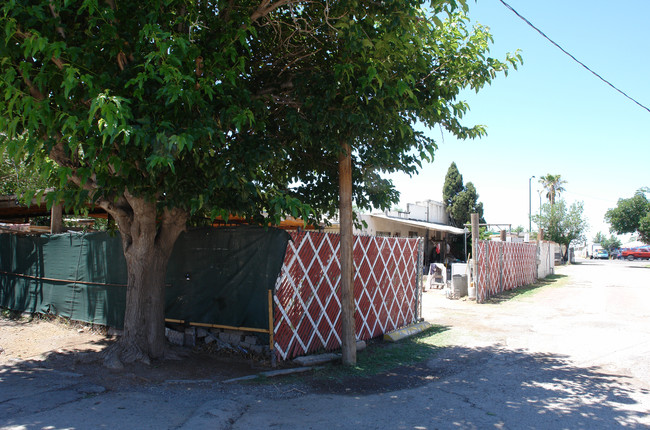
(632, 253)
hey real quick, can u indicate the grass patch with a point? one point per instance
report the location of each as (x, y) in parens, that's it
(529, 290)
(380, 356)
(377, 358)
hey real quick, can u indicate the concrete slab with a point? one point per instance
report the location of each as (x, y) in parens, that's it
(405, 332)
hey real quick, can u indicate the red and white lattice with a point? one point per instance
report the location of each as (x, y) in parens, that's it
(307, 315)
(504, 266)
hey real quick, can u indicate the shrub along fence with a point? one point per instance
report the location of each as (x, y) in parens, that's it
(308, 296)
(503, 266)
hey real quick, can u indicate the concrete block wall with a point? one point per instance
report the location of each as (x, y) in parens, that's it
(220, 339)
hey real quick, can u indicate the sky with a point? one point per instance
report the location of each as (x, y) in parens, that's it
(552, 116)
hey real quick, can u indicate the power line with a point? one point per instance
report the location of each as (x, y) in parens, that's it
(572, 57)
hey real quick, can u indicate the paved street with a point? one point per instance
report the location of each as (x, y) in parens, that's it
(570, 355)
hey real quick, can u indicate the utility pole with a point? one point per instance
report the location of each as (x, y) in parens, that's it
(530, 216)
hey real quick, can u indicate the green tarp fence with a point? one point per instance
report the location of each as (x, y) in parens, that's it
(215, 276)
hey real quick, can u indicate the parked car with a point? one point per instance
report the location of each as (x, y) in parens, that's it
(642, 252)
(601, 254)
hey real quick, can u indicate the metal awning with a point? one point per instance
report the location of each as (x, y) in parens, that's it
(422, 224)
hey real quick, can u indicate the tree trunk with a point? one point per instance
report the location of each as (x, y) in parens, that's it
(147, 240)
(145, 308)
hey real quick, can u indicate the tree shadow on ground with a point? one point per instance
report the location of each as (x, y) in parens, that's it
(515, 387)
(443, 387)
(187, 364)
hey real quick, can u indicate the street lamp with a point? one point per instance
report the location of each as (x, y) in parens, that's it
(530, 216)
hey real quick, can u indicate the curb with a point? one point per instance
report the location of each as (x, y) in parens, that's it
(407, 331)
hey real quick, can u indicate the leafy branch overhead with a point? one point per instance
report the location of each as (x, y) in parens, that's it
(192, 104)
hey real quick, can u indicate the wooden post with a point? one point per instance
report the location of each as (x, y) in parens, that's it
(56, 219)
(271, 328)
(503, 235)
(348, 335)
(475, 230)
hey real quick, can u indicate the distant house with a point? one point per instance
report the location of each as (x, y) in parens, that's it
(426, 219)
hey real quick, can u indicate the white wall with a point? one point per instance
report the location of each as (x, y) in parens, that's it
(417, 212)
(546, 259)
(428, 211)
(395, 229)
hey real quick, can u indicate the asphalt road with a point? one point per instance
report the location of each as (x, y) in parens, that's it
(569, 356)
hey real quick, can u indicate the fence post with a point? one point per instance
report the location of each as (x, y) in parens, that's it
(419, 280)
(474, 220)
(56, 218)
(501, 266)
(488, 279)
(348, 330)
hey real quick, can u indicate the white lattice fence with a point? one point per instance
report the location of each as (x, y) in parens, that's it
(307, 297)
(504, 266)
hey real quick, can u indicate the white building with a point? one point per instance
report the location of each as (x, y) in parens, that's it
(427, 219)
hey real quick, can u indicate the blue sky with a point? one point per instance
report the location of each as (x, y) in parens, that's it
(552, 115)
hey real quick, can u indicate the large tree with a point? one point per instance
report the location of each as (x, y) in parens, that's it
(599, 237)
(453, 184)
(562, 224)
(631, 215)
(147, 108)
(160, 110)
(461, 200)
(358, 90)
(611, 243)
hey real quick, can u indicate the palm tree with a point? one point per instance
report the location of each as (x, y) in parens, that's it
(553, 186)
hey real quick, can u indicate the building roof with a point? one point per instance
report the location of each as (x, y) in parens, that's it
(422, 224)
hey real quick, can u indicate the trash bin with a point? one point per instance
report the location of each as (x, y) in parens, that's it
(458, 286)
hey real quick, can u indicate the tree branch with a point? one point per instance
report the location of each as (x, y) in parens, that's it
(33, 91)
(55, 14)
(266, 8)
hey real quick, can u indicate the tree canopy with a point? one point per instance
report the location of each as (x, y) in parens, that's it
(599, 237)
(553, 184)
(562, 224)
(631, 215)
(460, 200)
(19, 177)
(611, 243)
(161, 110)
(453, 185)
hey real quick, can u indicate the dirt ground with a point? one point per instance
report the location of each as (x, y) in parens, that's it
(63, 345)
(56, 343)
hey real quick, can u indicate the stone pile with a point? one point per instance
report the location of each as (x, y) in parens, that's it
(218, 339)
